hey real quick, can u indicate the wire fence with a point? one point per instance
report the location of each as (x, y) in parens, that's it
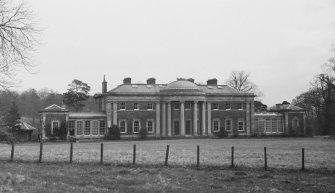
(172, 154)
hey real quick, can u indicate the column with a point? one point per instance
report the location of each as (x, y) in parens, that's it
(163, 119)
(247, 117)
(209, 118)
(43, 126)
(252, 117)
(158, 122)
(169, 133)
(115, 113)
(195, 119)
(67, 126)
(109, 114)
(286, 124)
(203, 121)
(182, 118)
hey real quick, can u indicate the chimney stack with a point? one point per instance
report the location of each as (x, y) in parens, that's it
(104, 86)
(191, 80)
(127, 80)
(212, 81)
(151, 81)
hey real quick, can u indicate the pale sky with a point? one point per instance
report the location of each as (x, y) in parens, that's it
(281, 43)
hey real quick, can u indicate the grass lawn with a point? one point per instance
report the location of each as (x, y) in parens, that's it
(281, 152)
(32, 177)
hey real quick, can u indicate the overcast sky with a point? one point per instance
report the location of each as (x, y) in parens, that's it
(281, 43)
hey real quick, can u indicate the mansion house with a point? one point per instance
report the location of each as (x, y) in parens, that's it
(181, 108)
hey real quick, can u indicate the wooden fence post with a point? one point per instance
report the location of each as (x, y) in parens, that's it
(265, 160)
(71, 152)
(134, 154)
(41, 152)
(167, 155)
(198, 155)
(232, 156)
(102, 153)
(12, 152)
(303, 159)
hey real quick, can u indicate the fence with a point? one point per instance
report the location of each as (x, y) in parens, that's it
(159, 159)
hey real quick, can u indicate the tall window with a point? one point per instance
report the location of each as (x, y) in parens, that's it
(216, 125)
(295, 123)
(215, 106)
(150, 126)
(268, 125)
(240, 125)
(136, 126)
(102, 127)
(261, 125)
(228, 124)
(136, 106)
(188, 127)
(54, 126)
(79, 128)
(150, 106)
(122, 106)
(95, 127)
(71, 125)
(122, 126)
(274, 125)
(87, 130)
(228, 106)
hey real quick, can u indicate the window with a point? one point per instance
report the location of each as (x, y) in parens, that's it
(79, 128)
(95, 127)
(215, 106)
(240, 125)
(187, 106)
(122, 106)
(228, 125)
(71, 125)
(54, 126)
(274, 125)
(102, 127)
(228, 107)
(216, 125)
(150, 126)
(123, 126)
(150, 106)
(177, 106)
(87, 130)
(136, 106)
(268, 125)
(240, 106)
(136, 126)
(188, 127)
(261, 125)
(295, 123)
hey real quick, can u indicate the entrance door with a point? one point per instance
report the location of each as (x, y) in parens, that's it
(187, 127)
(176, 127)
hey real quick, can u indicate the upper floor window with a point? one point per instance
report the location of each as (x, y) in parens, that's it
(122, 106)
(228, 106)
(215, 106)
(240, 106)
(136, 106)
(177, 106)
(187, 106)
(150, 106)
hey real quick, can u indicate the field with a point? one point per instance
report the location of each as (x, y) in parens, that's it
(249, 153)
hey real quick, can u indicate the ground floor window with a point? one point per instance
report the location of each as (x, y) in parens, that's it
(150, 126)
(240, 125)
(188, 127)
(72, 127)
(228, 125)
(280, 126)
(136, 126)
(102, 127)
(268, 125)
(95, 127)
(87, 130)
(295, 123)
(79, 128)
(274, 126)
(216, 125)
(122, 126)
(54, 126)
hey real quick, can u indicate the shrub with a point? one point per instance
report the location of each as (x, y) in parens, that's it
(235, 133)
(113, 133)
(222, 133)
(143, 133)
(6, 137)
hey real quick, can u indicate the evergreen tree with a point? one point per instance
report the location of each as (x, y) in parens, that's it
(12, 118)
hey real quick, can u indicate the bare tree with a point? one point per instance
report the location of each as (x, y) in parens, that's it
(17, 40)
(240, 80)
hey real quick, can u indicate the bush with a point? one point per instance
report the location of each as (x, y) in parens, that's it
(143, 133)
(6, 137)
(235, 133)
(113, 133)
(222, 133)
